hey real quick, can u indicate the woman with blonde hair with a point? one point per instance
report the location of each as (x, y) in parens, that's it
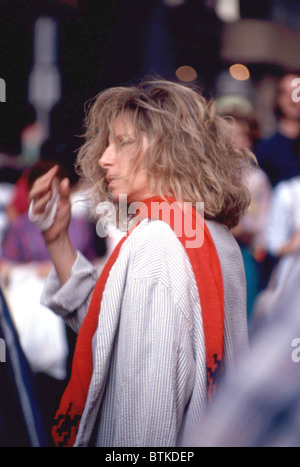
(168, 311)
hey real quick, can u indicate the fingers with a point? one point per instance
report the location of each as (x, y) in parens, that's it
(40, 203)
(43, 185)
(64, 188)
(43, 188)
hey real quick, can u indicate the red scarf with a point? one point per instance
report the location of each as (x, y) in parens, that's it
(206, 267)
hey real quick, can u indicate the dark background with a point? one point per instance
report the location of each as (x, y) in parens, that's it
(104, 43)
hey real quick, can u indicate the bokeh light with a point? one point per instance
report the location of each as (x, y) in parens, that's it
(239, 72)
(186, 73)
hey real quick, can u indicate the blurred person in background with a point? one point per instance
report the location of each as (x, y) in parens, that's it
(283, 227)
(251, 228)
(18, 203)
(277, 155)
(283, 242)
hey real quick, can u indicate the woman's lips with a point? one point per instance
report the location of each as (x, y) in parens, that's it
(111, 179)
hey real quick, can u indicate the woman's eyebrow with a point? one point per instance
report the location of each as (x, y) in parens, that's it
(123, 135)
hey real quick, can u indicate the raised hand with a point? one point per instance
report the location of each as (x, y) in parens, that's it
(41, 193)
(56, 236)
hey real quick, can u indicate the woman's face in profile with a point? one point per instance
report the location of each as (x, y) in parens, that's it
(116, 159)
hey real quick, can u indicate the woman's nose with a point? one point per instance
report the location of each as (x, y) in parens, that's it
(107, 157)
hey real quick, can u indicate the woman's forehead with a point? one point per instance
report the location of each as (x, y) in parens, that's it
(122, 125)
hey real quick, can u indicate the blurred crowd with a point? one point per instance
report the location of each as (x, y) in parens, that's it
(269, 239)
(268, 233)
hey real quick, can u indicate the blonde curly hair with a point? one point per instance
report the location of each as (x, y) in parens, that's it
(191, 154)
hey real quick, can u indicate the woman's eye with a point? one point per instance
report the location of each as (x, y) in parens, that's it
(125, 141)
